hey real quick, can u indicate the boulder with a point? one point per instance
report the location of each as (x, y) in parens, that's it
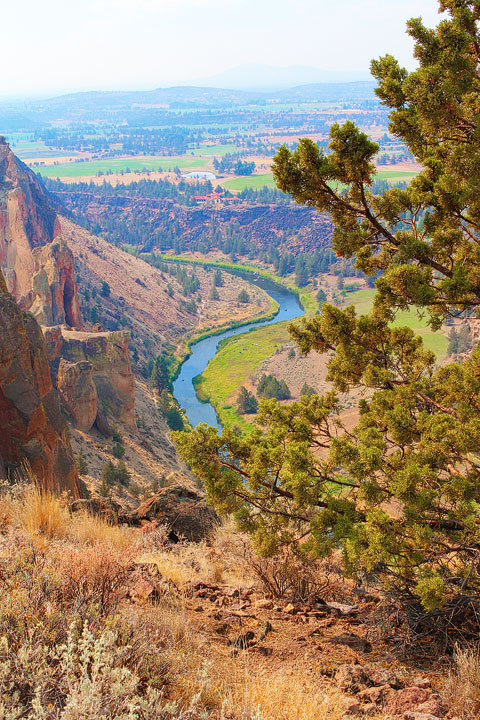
(352, 677)
(102, 424)
(182, 509)
(78, 393)
(33, 429)
(407, 699)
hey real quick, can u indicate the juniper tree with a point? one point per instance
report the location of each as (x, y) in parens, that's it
(400, 492)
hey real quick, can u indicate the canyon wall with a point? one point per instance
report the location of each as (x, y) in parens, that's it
(37, 264)
(33, 429)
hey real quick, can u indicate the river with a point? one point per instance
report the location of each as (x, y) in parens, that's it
(203, 351)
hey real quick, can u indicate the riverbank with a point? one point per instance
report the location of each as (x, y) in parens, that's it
(205, 407)
(306, 299)
(184, 350)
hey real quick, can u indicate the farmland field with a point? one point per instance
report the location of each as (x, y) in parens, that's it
(217, 150)
(250, 181)
(92, 168)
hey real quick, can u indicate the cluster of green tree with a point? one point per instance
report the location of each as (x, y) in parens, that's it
(232, 162)
(113, 474)
(121, 139)
(246, 403)
(264, 196)
(269, 387)
(169, 410)
(416, 446)
(243, 297)
(459, 341)
(183, 192)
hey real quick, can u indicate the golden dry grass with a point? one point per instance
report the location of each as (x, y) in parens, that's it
(90, 529)
(40, 512)
(463, 685)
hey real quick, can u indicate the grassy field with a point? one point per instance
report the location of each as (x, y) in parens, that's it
(24, 147)
(237, 359)
(435, 341)
(250, 181)
(217, 150)
(258, 181)
(92, 168)
(240, 357)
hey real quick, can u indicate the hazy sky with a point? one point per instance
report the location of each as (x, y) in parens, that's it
(50, 46)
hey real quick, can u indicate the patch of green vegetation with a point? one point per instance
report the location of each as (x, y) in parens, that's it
(435, 341)
(250, 181)
(237, 359)
(395, 176)
(92, 168)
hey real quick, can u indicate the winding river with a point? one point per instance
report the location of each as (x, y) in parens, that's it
(203, 351)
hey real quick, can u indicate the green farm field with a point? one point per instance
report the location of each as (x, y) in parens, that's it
(258, 181)
(250, 181)
(216, 150)
(92, 168)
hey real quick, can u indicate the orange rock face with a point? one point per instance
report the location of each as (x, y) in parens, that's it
(54, 289)
(33, 428)
(107, 352)
(78, 393)
(39, 272)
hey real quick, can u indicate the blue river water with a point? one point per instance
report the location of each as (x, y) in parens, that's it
(203, 351)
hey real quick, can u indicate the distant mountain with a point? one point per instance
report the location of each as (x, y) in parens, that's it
(90, 103)
(255, 76)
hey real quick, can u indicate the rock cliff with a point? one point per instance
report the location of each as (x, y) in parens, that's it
(33, 429)
(54, 289)
(83, 359)
(38, 271)
(78, 393)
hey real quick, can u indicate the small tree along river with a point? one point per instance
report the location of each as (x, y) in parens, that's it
(203, 351)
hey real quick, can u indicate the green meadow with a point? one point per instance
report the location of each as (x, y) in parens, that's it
(237, 359)
(116, 165)
(435, 341)
(250, 181)
(258, 181)
(216, 150)
(240, 357)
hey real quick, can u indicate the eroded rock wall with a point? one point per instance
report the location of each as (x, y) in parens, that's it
(36, 262)
(54, 288)
(108, 355)
(32, 427)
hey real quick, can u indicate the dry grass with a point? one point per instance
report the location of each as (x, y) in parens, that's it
(40, 512)
(282, 696)
(463, 685)
(90, 529)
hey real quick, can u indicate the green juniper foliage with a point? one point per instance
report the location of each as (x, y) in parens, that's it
(400, 493)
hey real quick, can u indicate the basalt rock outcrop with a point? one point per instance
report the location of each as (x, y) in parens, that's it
(37, 264)
(259, 224)
(33, 429)
(182, 509)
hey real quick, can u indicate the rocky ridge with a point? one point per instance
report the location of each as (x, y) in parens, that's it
(261, 224)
